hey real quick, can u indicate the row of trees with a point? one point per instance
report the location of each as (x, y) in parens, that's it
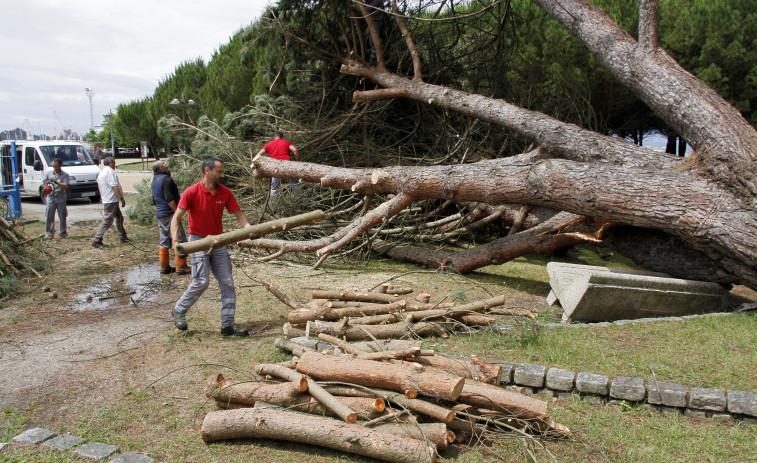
(510, 50)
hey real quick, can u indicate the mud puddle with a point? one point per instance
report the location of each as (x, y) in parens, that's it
(138, 285)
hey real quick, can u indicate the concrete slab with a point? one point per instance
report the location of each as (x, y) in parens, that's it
(132, 457)
(63, 442)
(96, 451)
(34, 436)
(590, 293)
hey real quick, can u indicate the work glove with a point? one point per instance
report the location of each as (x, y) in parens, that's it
(123, 202)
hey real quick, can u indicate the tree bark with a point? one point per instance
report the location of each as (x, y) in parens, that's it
(474, 368)
(234, 236)
(396, 377)
(272, 423)
(283, 394)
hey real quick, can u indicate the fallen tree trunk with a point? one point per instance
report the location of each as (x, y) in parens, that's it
(234, 236)
(273, 423)
(405, 378)
(355, 296)
(306, 314)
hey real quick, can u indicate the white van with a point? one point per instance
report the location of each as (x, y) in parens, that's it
(35, 159)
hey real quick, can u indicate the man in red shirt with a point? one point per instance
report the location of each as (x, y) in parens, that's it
(278, 148)
(205, 201)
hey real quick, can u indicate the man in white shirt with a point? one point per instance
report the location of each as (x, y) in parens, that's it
(111, 194)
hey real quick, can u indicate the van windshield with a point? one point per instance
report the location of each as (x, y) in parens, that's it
(70, 155)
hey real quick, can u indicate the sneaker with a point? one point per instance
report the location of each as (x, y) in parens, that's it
(48, 237)
(64, 235)
(97, 244)
(233, 330)
(125, 239)
(180, 320)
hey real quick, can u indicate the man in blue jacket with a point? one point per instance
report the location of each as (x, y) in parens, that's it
(165, 195)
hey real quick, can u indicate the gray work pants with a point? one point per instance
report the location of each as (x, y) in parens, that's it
(164, 228)
(112, 214)
(52, 208)
(219, 262)
(276, 183)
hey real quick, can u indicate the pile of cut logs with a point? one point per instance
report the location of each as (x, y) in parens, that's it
(386, 314)
(389, 400)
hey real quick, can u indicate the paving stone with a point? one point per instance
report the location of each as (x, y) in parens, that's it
(589, 383)
(705, 398)
(563, 395)
(742, 402)
(132, 457)
(691, 413)
(723, 417)
(628, 388)
(528, 374)
(669, 410)
(507, 372)
(547, 393)
(34, 436)
(668, 394)
(594, 399)
(622, 322)
(560, 380)
(749, 421)
(96, 451)
(600, 324)
(63, 442)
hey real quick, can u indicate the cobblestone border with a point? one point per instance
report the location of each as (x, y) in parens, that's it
(44, 438)
(669, 398)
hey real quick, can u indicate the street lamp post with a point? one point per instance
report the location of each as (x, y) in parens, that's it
(90, 94)
(184, 103)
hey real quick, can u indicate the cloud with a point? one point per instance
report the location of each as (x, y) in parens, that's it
(122, 49)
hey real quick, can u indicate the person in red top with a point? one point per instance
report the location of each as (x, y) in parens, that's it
(205, 201)
(278, 148)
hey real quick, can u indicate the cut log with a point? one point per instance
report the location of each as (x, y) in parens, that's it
(341, 410)
(344, 345)
(283, 394)
(367, 408)
(458, 311)
(478, 320)
(532, 411)
(265, 228)
(365, 332)
(408, 354)
(355, 296)
(305, 314)
(473, 369)
(293, 347)
(386, 345)
(274, 423)
(396, 377)
(436, 433)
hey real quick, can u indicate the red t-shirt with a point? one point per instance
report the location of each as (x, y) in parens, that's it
(205, 209)
(278, 148)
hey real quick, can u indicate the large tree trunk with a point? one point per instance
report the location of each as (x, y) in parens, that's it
(707, 200)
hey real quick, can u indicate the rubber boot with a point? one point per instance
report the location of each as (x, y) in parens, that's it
(181, 265)
(165, 268)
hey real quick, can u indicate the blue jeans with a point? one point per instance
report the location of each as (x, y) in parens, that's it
(219, 262)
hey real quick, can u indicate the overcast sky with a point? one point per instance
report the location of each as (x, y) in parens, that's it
(53, 50)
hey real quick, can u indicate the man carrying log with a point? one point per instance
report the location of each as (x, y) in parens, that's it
(205, 202)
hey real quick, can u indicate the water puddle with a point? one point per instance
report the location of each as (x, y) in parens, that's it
(138, 285)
